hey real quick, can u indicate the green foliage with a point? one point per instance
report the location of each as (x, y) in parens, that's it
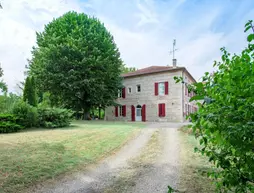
(54, 117)
(45, 100)
(8, 123)
(29, 92)
(26, 114)
(7, 102)
(128, 69)
(225, 119)
(77, 62)
(3, 86)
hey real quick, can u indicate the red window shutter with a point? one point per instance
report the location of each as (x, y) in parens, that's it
(123, 92)
(159, 110)
(144, 113)
(166, 88)
(163, 110)
(116, 111)
(132, 113)
(124, 110)
(156, 88)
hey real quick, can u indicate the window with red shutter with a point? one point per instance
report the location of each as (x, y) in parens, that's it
(132, 113)
(166, 88)
(156, 88)
(116, 111)
(161, 110)
(144, 113)
(163, 106)
(123, 92)
(124, 110)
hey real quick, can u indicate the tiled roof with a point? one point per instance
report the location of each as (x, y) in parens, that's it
(150, 70)
(156, 69)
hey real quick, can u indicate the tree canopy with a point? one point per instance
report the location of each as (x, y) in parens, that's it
(77, 61)
(128, 69)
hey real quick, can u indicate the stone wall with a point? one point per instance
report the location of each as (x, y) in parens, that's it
(174, 100)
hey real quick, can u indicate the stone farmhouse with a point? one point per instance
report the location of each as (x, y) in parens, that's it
(151, 94)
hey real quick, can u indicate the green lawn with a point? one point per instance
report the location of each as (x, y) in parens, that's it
(33, 156)
(193, 176)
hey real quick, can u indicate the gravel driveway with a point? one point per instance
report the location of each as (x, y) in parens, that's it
(155, 177)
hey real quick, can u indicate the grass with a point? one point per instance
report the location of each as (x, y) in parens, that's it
(34, 156)
(193, 176)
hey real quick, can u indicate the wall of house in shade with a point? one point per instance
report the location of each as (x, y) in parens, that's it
(169, 106)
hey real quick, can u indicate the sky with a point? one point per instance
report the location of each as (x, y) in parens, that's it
(143, 30)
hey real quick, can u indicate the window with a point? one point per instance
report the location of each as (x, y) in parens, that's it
(129, 90)
(120, 93)
(138, 88)
(120, 111)
(161, 88)
(161, 110)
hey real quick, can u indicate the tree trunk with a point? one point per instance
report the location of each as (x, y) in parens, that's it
(85, 114)
(99, 113)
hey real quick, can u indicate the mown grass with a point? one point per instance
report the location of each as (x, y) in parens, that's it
(194, 167)
(34, 156)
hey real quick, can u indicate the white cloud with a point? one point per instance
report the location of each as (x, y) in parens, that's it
(19, 20)
(143, 31)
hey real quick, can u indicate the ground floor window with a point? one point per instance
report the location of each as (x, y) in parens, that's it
(161, 110)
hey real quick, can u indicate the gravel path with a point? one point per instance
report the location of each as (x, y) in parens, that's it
(154, 177)
(165, 170)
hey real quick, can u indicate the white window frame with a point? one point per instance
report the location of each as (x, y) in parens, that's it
(159, 90)
(129, 90)
(137, 88)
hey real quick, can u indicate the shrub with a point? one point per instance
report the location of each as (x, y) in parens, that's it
(8, 124)
(26, 114)
(54, 117)
(225, 118)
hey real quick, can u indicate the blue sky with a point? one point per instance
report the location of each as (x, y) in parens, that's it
(143, 30)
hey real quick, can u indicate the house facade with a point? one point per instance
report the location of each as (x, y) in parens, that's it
(151, 94)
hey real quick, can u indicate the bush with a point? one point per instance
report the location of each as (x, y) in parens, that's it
(8, 124)
(26, 114)
(54, 117)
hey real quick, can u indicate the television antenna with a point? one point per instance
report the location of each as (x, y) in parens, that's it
(174, 49)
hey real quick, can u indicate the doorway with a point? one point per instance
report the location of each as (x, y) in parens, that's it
(138, 113)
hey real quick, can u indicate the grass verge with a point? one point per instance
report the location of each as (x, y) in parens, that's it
(34, 156)
(193, 176)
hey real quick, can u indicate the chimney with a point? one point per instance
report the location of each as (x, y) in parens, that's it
(174, 63)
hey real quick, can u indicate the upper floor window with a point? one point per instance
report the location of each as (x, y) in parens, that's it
(120, 93)
(129, 90)
(138, 88)
(162, 88)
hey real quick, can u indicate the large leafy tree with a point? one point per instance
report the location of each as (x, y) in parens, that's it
(77, 61)
(225, 119)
